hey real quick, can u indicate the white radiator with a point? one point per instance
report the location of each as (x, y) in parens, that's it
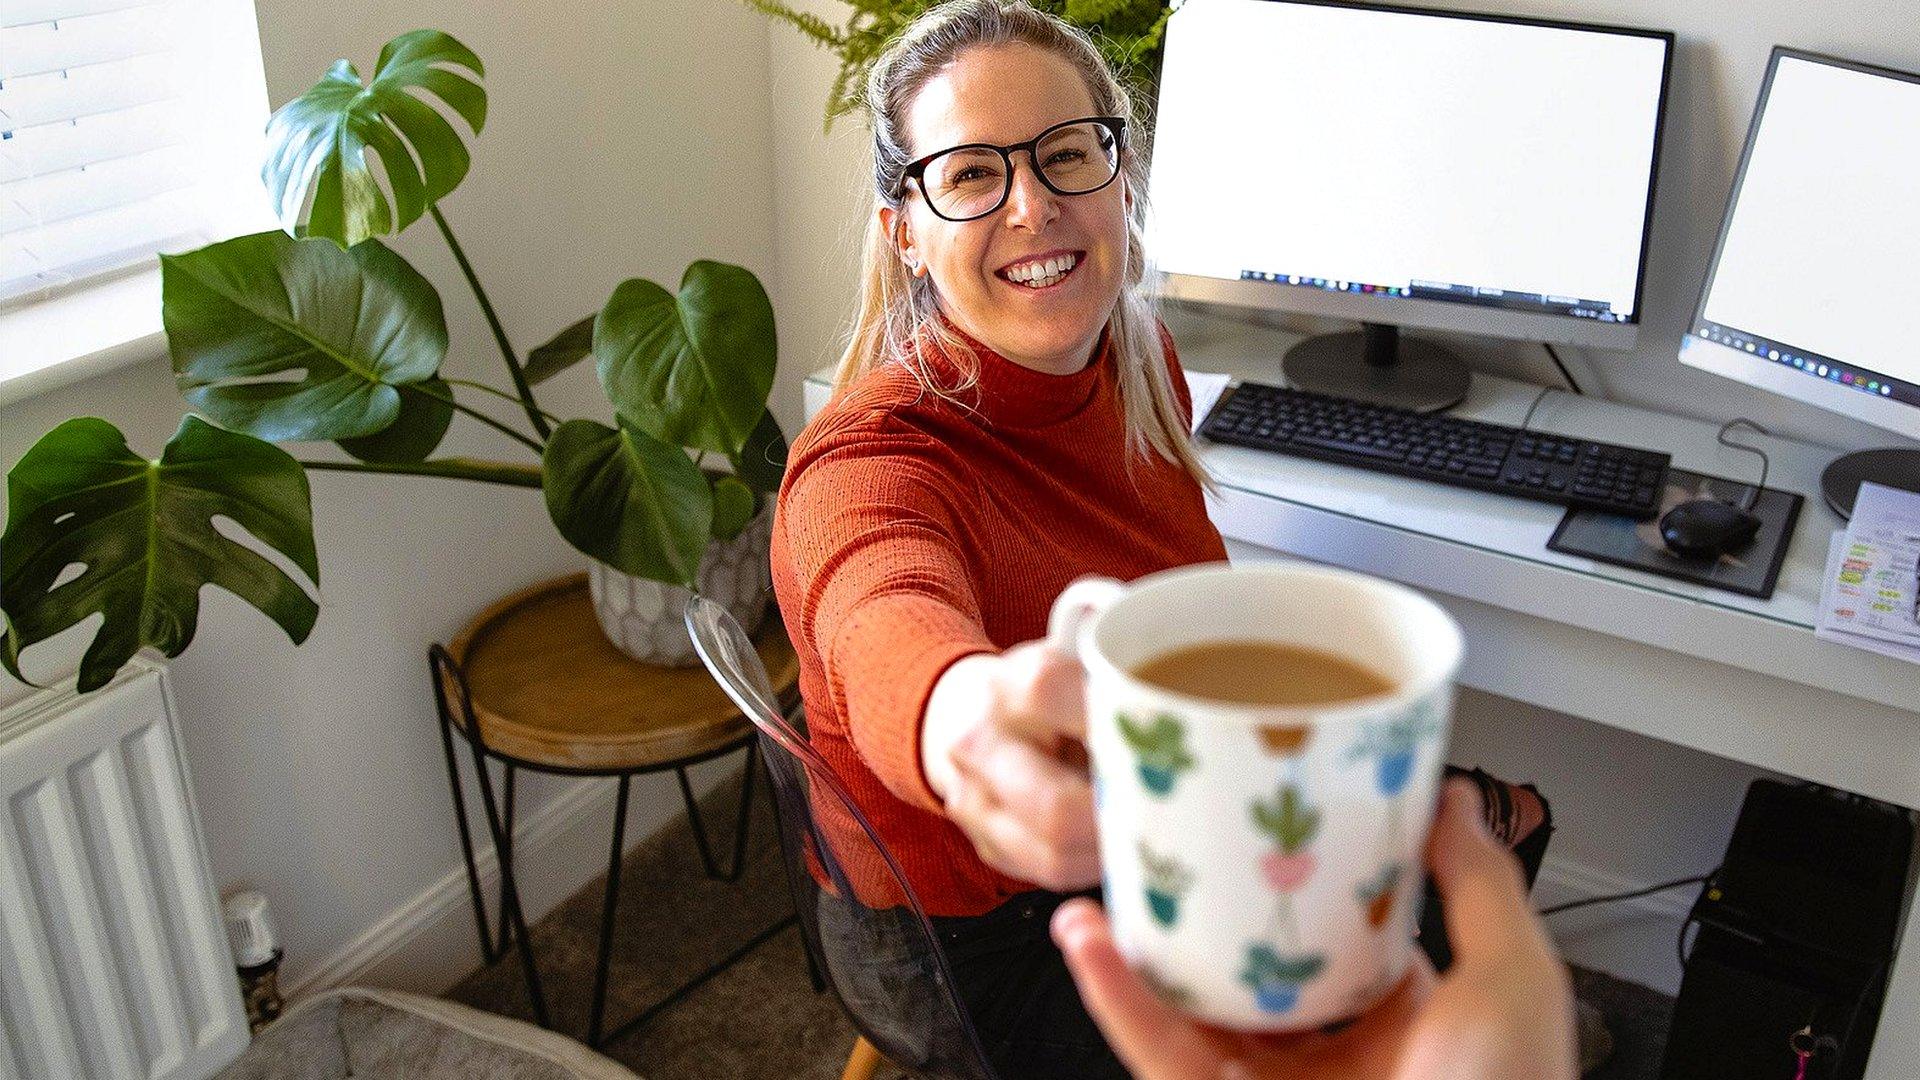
(113, 961)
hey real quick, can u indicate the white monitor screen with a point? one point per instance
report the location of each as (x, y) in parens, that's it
(1821, 244)
(1409, 154)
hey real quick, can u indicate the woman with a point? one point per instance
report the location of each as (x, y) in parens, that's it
(1009, 416)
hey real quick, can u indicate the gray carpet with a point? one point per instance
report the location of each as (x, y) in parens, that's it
(760, 1018)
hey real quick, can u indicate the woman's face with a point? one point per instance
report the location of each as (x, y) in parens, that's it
(1006, 94)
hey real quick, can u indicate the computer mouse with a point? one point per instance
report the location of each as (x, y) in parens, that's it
(1707, 528)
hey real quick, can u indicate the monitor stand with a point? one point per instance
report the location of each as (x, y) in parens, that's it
(1896, 467)
(1376, 364)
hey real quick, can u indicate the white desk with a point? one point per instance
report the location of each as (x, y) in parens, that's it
(1731, 675)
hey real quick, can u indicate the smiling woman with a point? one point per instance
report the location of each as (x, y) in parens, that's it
(1009, 416)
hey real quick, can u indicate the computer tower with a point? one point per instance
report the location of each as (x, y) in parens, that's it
(1794, 936)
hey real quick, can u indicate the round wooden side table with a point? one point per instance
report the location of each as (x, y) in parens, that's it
(533, 683)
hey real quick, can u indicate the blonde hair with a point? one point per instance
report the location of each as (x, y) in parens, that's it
(896, 307)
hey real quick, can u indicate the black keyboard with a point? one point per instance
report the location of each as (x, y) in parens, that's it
(1446, 449)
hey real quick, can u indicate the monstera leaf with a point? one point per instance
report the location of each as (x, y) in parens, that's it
(426, 411)
(143, 532)
(318, 142)
(764, 458)
(629, 500)
(568, 347)
(297, 339)
(734, 504)
(693, 369)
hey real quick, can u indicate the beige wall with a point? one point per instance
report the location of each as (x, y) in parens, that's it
(625, 139)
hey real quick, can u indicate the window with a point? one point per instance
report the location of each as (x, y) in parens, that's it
(127, 127)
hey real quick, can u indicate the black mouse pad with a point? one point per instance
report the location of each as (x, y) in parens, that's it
(1751, 570)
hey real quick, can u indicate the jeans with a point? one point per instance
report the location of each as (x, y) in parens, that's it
(1016, 987)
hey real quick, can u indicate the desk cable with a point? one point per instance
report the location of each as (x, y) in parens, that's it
(1525, 423)
(1753, 491)
(1617, 897)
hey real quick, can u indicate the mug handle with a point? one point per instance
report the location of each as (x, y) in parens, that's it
(1076, 605)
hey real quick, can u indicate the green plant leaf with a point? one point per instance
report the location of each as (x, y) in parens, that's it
(693, 369)
(734, 504)
(143, 531)
(568, 347)
(318, 142)
(763, 460)
(296, 339)
(426, 411)
(629, 500)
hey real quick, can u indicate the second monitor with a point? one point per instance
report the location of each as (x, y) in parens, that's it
(1407, 167)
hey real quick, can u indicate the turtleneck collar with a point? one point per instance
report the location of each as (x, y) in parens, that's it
(1008, 394)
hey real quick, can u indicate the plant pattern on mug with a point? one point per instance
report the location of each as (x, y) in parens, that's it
(1285, 740)
(1278, 978)
(1378, 895)
(1170, 992)
(1167, 880)
(1394, 744)
(1291, 824)
(1161, 748)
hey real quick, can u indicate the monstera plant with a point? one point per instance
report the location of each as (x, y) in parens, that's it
(322, 333)
(1129, 34)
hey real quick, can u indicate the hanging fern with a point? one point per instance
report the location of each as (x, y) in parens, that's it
(1129, 34)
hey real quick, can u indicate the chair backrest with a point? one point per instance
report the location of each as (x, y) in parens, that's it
(860, 917)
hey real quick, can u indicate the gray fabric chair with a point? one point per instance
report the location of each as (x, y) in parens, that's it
(391, 1035)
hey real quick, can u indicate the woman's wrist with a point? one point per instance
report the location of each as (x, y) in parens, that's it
(959, 699)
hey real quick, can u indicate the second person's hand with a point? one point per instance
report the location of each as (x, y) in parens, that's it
(1002, 744)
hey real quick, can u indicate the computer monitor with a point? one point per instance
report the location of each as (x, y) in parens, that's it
(1809, 292)
(1406, 167)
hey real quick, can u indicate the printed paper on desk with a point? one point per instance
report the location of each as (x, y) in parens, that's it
(1830, 599)
(1205, 388)
(1874, 579)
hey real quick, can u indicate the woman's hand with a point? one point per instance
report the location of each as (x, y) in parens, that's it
(1003, 746)
(1504, 1011)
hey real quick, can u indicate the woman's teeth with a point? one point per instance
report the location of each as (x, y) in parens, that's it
(1039, 275)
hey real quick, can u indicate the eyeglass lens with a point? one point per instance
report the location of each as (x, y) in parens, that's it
(973, 181)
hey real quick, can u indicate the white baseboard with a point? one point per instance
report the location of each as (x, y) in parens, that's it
(430, 942)
(1631, 939)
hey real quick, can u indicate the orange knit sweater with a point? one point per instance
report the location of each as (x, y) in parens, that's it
(911, 532)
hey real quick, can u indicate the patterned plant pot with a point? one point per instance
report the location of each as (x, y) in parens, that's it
(643, 618)
(1277, 997)
(1156, 778)
(1165, 907)
(1395, 770)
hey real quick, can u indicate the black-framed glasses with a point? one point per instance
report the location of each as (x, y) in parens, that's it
(1077, 157)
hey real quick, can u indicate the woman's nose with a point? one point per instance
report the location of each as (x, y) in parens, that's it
(1030, 203)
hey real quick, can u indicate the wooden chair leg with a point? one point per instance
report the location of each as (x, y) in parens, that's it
(862, 1063)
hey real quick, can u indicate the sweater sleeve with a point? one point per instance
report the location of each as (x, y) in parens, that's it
(887, 599)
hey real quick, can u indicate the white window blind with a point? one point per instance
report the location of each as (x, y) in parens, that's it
(127, 127)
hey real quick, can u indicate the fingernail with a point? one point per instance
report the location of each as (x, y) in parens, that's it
(1071, 924)
(1463, 800)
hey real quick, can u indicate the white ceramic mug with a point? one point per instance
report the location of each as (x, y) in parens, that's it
(1263, 864)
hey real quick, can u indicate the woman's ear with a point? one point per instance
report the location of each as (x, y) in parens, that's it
(895, 222)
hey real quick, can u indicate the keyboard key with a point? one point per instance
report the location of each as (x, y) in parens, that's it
(1345, 448)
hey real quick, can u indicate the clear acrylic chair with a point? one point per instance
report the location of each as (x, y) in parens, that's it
(861, 920)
